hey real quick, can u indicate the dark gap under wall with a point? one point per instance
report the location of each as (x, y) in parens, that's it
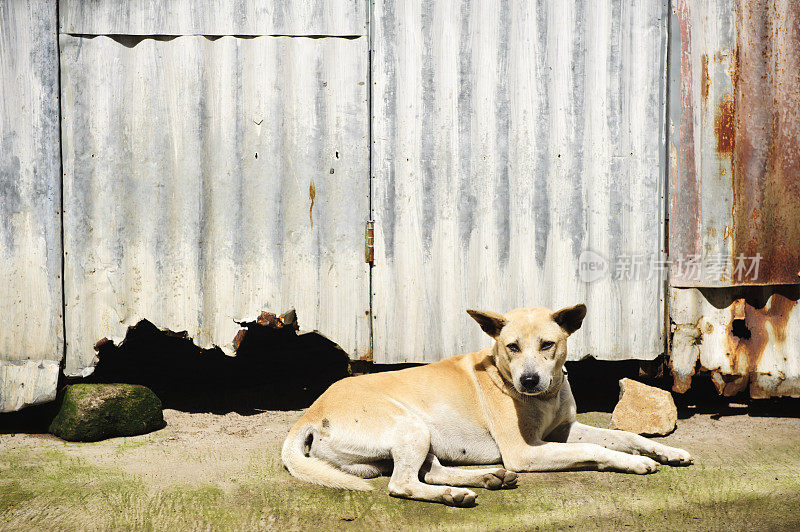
(595, 385)
(274, 369)
(280, 370)
(30, 420)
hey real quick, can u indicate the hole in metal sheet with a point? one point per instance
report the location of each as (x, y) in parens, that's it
(740, 329)
(274, 369)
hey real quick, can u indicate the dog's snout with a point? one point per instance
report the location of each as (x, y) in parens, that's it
(529, 381)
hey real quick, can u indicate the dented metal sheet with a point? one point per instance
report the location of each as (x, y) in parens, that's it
(27, 382)
(747, 337)
(208, 180)
(517, 144)
(31, 337)
(213, 17)
(735, 144)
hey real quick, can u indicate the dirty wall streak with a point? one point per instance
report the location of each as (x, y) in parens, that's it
(507, 138)
(213, 17)
(735, 143)
(31, 337)
(207, 180)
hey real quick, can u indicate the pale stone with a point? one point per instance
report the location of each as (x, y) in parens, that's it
(644, 409)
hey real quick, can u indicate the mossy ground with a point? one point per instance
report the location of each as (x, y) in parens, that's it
(747, 476)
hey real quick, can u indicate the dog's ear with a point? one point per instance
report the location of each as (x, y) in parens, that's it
(570, 318)
(490, 322)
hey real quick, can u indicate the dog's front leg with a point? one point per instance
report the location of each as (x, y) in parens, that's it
(626, 442)
(551, 456)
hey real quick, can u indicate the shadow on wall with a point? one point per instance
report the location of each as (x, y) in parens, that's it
(274, 369)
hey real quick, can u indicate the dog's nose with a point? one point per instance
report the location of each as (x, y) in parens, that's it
(529, 381)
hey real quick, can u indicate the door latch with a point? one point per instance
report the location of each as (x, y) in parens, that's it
(369, 242)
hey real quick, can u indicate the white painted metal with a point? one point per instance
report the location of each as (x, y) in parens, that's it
(31, 337)
(213, 17)
(509, 137)
(27, 382)
(206, 180)
(762, 360)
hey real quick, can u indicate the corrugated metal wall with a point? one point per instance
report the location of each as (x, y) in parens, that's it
(31, 337)
(215, 168)
(214, 17)
(206, 180)
(735, 195)
(734, 189)
(510, 137)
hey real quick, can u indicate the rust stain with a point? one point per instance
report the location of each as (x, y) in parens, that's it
(728, 385)
(685, 222)
(757, 392)
(746, 339)
(766, 150)
(757, 326)
(724, 126)
(102, 343)
(757, 128)
(705, 81)
(738, 309)
(176, 334)
(681, 384)
(288, 320)
(239, 338)
(312, 194)
(268, 319)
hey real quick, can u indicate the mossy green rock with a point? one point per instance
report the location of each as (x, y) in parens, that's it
(93, 412)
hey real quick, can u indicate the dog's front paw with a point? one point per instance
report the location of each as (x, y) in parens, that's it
(673, 456)
(459, 497)
(640, 465)
(500, 478)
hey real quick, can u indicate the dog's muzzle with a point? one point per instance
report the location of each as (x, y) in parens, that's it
(529, 383)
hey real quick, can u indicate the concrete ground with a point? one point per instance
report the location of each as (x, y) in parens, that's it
(206, 471)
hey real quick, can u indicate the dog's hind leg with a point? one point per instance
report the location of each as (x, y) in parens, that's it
(433, 472)
(411, 443)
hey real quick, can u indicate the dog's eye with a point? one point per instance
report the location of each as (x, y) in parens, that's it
(514, 348)
(547, 345)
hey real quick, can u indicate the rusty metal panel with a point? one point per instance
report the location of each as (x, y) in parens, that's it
(213, 17)
(734, 148)
(747, 337)
(31, 338)
(513, 142)
(208, 180)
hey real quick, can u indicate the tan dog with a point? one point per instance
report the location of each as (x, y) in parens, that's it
(510, 403)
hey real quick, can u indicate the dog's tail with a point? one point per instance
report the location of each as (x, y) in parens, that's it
(301, 464)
